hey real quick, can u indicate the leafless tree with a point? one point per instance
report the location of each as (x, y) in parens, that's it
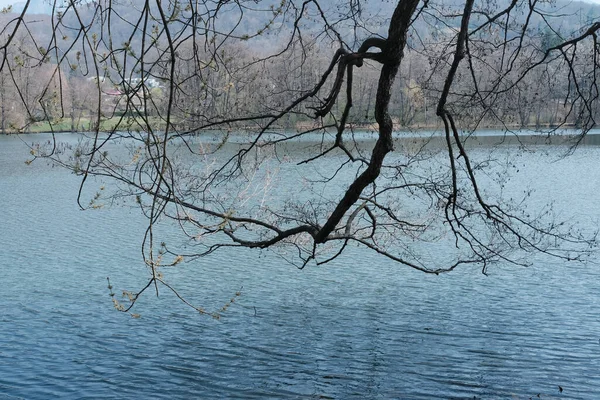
(211, 152)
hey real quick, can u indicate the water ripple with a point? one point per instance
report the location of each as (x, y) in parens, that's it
(358, 329)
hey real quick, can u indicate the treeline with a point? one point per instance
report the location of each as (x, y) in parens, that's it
(60, 86)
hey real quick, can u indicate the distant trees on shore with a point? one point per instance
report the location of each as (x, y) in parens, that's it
(57, 88)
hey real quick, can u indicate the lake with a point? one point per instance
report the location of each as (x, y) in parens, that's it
(360, 327)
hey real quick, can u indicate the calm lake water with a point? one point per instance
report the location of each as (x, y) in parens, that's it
(360, 327)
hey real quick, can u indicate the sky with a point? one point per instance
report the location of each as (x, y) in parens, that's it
(4, 3)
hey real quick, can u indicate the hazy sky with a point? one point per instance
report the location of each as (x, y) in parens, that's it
(4, 3)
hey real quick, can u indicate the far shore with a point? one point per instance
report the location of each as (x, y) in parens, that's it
(116, 124)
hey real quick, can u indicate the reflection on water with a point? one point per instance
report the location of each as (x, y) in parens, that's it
(357, 328)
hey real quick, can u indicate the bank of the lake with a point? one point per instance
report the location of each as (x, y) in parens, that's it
(124, 122)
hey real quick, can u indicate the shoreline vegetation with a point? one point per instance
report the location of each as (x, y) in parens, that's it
(120, 124)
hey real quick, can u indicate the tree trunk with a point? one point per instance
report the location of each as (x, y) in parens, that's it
(393, 53)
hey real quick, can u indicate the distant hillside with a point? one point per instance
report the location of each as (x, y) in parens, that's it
(565, 17)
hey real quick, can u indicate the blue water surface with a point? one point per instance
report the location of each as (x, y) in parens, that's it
(360, 327)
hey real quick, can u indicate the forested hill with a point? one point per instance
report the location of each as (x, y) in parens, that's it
(564, 16)
(228, 61)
